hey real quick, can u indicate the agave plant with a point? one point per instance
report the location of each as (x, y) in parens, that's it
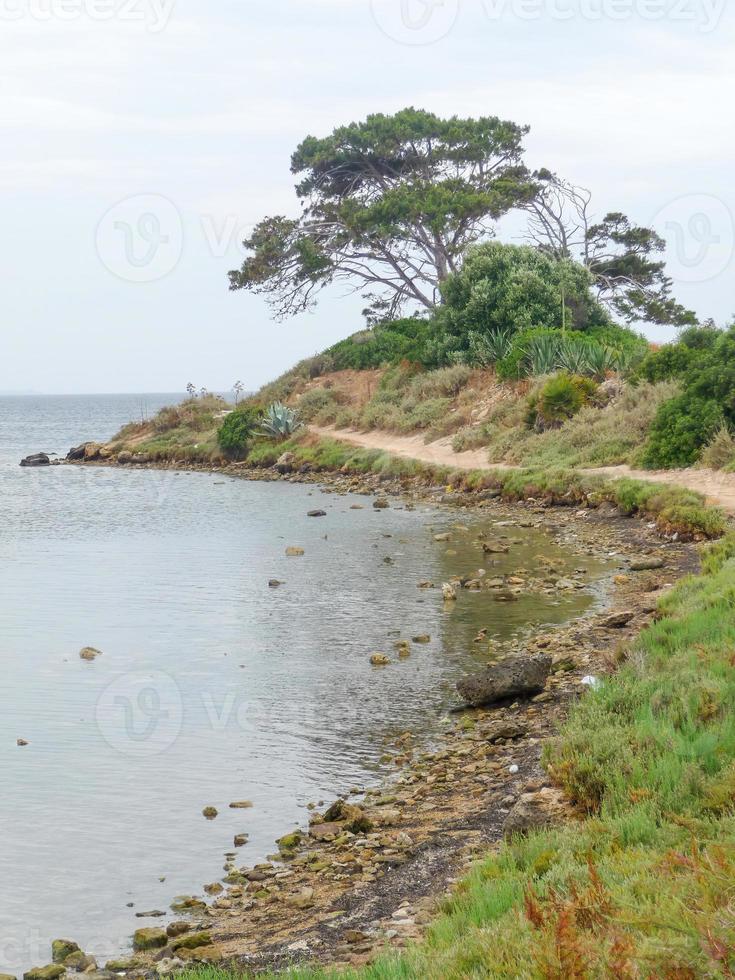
(542, 355)
(280, 421)
(488, 349)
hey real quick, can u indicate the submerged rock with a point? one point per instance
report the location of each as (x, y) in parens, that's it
(379, 660)
(210, 812)
(89, 653)
(509, 678)
(293, 552)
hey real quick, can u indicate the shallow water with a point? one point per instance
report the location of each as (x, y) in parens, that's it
(212, 687)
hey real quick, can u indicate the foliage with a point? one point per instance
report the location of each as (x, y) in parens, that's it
(622, 258)
(390, 205)
(704, 363)
(237, 430)
(543, 351)
(559, 400)
(386, 343)
(720, 450)
(280, 421)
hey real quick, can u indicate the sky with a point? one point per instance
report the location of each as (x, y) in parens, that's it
(142, 139)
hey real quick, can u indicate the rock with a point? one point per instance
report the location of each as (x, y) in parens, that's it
(192, 940)
(505, 729)
(87, 451)
(274, 583)
(241, 805)
(80, 962)
(508, 678)
(618, 620)
(423, 638)
(449, 592)
(645, 563)
(381, 504)
(443, 537)
(495, 548)
(289, 842)
(534, 811)
(123, 964)
(21, 743)
(294, 552)
(174, 929)
(89, 653)
(124, 458)
(149, 939)
(285, 463)
(51, 972)
(210, 812)
(379, 660)
(317, 513)
(38, 459)
(241, 840)
(61, 948)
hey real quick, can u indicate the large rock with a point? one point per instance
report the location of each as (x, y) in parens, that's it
(285, 463)
(86, 452)
(149, 939)
(52, 972)
(61, 948)
(534, 811)
(37, 459)
(507, 679)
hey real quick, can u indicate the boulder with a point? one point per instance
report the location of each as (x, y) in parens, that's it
(618, 620)
(534, 811)
(192, 940)
(646, 563)
(509, 678)
(61, 948)
(124, 458)
(38, 459)
(285, 463)
(51, 972)
(149, 939)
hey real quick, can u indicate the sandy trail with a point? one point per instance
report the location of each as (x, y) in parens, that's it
(718, 488)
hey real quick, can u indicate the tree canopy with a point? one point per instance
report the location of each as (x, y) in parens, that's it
(390, 205)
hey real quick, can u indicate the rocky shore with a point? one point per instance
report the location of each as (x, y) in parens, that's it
(371, 870)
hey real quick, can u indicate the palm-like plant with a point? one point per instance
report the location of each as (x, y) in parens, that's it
(280, 421)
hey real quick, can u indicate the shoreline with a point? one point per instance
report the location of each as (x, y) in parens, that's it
(317, 903)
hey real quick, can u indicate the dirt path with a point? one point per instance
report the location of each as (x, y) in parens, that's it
(718, 488)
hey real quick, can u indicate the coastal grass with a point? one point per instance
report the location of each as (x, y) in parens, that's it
(642, 884)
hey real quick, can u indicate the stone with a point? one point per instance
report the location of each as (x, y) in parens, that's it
(89, 654)
(241, 840)
(293, 552)
(443, 537)
(241, 805)
(423, 638)
(192, 940)
(61, 948)
(123, 964)
(124, 458)
(285, 463)
(149, 938)
(379, 660)
(449, 592)
(534, 811)
(210, 812)
(51, 972)
(495, 548)
(618, 620)
(317, 513)
(274, 583)
(21, 743)
(506, 729)
(381, 504)
(37, 459)
(80, 962)
(508, 678)
(174, 929)
(645, 563)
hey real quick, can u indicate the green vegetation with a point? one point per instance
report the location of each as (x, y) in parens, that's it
(558, 400)
(280, 421)
(236, 432)
(703, 361)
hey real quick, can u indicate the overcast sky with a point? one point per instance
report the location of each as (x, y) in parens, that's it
(141, 139)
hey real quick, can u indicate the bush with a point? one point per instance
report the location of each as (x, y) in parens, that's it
(236, 431)
(681, 428)
(386, 343)
(558, 401)
(720, 450)
(315, 401)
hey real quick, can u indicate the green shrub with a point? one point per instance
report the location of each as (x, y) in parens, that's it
(559, 400)
(720, 450)
(681, 428)
(385, 343)
(315, 401)
(236, 432)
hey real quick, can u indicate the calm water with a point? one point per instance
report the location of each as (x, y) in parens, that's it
(212, 687)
